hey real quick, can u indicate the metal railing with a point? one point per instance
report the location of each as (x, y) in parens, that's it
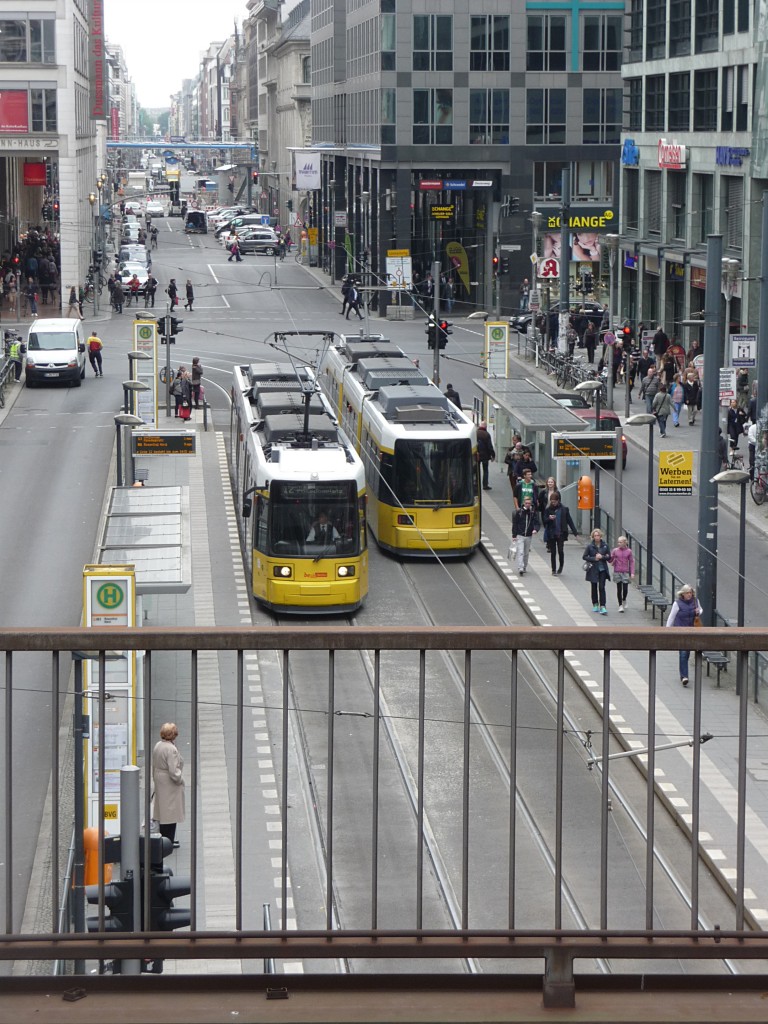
(424, 707)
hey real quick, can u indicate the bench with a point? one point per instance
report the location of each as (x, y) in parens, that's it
(655, 598)
(718, 659)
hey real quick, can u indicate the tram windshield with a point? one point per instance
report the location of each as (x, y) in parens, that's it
(313, 518)
(433, 471)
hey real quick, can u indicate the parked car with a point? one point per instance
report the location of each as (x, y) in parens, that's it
(155, 208)
(262, 241)
(134, 254)
(195, 223)
(243, 220)
(571, 401)
(132, 206)
(130, 232)
(594, 311)
(609, 422)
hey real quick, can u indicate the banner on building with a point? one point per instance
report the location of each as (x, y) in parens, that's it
(14, 110)
(457, 254)
(34, 172)
(306, 170)
(97, 62)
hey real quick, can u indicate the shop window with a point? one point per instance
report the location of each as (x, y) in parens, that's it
(546, 42)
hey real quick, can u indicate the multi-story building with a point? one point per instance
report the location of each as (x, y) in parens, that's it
(688, 167)
(428, 115)
(53, 111)
(123, 121)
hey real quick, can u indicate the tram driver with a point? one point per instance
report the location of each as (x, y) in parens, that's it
(323, 531)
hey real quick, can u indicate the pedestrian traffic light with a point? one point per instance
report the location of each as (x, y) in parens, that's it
(176, 327)
(495, 263)
(504, 265)
(118, 899)
(443, 330)
(255, 177)
(164, 889)
(431, 332)
(626, 334)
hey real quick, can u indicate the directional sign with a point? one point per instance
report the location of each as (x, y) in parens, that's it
(592, 444)
(744, 349)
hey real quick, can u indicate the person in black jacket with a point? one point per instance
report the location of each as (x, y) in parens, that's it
(525, 526)
(557, 522)
(485, 452)
(596, 557)
(692, 395)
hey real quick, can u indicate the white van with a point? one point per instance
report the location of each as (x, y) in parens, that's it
(55, 352)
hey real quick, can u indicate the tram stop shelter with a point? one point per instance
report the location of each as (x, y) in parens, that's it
(516, 405)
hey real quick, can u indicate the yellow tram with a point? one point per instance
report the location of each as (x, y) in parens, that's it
(418, 448)
(300, 493)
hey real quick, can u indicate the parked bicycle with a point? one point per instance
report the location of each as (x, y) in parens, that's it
(759, 486)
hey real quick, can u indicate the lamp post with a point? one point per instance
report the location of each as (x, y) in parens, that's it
(637, 420)
(739, 477)
(731, 270)
(124, 419)
(133, 358)
(132, 386)
(536, 219)
(92, 198)
(596, 388)
(612, 242)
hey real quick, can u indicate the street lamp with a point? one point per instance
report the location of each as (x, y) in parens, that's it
(731, 270)
(739, 477)
(124, 419)
(536, 221)
(637, 420)
(132, 385)
(596, 387)
(612, 243)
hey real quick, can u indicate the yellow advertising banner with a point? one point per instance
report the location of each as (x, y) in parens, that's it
(457, 254)
(675, 473)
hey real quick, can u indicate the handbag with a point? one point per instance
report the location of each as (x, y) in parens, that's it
(697, 621)
(585, 566)
(512, 551)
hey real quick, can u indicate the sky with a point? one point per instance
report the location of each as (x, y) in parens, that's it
(162, 40)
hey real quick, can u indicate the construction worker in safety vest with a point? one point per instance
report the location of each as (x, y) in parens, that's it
(15, 353)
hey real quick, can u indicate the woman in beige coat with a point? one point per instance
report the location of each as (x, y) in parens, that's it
(167, 766)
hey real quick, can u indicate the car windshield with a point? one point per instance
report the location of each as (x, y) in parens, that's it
(430, 471)
(49, 341)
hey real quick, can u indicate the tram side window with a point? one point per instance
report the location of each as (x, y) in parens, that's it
(260, 522)
(427, 471)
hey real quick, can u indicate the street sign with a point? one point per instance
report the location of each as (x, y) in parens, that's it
(339, 218)
(592, 444)
(727, 385)
(744, 350)
(675, 473)
(496, 349)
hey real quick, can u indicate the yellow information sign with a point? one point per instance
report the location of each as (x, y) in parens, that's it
(675, 473)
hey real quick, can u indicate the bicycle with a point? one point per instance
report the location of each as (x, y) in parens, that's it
(759, 486)
(736, 460)
(299, 257)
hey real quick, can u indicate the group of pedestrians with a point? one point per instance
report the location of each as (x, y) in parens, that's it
(187, 389)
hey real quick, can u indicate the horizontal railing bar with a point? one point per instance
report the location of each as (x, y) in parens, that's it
(400, 945)
(339, 638)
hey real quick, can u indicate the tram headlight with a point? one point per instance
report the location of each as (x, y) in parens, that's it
(283, 572)
(344, 571)
(404, 520)
(462, 520)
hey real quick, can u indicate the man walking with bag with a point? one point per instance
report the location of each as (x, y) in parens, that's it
(525, 526)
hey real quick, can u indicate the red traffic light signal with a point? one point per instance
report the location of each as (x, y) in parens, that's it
(495, 263)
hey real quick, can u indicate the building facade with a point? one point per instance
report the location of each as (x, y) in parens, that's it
(687, 168)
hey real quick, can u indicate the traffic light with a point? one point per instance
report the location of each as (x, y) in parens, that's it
(289, 204)
(56, 208)
(176, 327)
(163, 916)
(626, 335)
(495, 263)
(431, 332)
(443, 330)
(504, 265)
(118, 899)
(255, 177)
(587, 283)
(514, 204)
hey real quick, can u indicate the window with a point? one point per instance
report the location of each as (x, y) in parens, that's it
(703, 198)
(27, 41)
(656, 29)
(602, 42)
(636, 30)
(707, 13)
(601, 116)
(680, 102)
(43, 107)
(655, 105)
(433, 117)
(705, 101)
(733, 209)
(631, 194)
(546, 42)
(653, 202)
(679, 28)
(306, 70)
(729, 17)
(388, 116)
(388, 45)
(635, 112)
(743, 12)
(432, 42)
(676, 186)
(489, 43)
(735, 89)
(24, 111)
(548, 179)
(489, 116)
(545, 116)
